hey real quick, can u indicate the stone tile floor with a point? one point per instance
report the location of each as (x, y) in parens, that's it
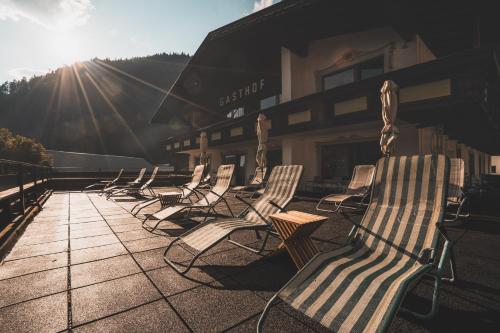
(86, 265)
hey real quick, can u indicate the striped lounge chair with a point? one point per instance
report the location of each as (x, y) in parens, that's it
(456, 194)
(136, 181)
(356, 193)
(136, 188)
(360, 287)
(455, 204)
(255, 184)
(104, 184)
(279, 191)
(207, 203)
(187, 190)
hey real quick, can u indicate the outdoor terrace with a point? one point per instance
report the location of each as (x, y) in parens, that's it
(85, 265)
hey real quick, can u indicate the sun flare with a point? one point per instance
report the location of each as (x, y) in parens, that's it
(65, 45)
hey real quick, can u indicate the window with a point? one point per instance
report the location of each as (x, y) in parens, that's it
(269, 102)
(338, 160)
(361, 71)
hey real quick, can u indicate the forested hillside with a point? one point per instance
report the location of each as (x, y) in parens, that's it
(99, 106)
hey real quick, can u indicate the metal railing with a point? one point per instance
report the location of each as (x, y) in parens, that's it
(20, 185)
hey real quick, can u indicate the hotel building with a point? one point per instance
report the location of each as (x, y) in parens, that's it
(315, 68)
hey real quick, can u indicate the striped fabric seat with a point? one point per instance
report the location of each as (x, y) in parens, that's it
(358, 188)
(359, 287)
(210, 200)
(136, 181)
(187, 190)
(279, 191)
(457, 176)
(135, 187)
(257, 181)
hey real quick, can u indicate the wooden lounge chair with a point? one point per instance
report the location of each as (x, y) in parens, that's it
(360, 287)
(279, 191)
(355, 195)
(207, 203)
(104, 184)
(115, 187)
(255, 184)
(187, 190)
(136, 187)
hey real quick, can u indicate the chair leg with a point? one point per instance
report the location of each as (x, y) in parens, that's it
(173, 265)
(434, 306)
(252, 249)
(453, 268)
(263, 316)
(145, 226)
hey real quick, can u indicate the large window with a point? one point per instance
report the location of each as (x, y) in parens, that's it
(339, 160)
(361, 71)
(269, 102)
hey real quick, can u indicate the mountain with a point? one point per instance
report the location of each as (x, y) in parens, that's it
(100, 106)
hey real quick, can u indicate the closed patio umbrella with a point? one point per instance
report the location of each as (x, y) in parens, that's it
(203, 148)
(389, 95)
(262, 129)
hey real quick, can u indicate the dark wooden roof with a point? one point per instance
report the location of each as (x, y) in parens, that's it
(250, 48)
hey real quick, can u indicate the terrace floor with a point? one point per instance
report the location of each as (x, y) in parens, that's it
(86, 265)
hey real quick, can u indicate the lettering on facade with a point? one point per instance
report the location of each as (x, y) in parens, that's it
(248, 90)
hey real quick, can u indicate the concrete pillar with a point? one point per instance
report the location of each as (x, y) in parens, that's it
(301, 151)
(192, 160)
(425, 137)
(251, 163)
(286, 75)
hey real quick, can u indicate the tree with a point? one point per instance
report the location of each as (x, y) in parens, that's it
(23, 149)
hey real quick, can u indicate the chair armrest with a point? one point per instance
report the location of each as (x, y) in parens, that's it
(276, 205)
(220, 196)
(252, 208)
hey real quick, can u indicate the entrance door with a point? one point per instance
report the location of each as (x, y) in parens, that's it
(239, 161)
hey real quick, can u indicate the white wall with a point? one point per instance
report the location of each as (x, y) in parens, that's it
(70, 161)
(301, 75)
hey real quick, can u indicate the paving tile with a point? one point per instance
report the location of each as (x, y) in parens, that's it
(19, 267)
(152, 259)
(134, 235)
(82, 243)
(88, 225)
(147, 244)
(276, 322)
(123, 221)
(31, 286)
(127, 227)
(102, 270)
(153, 317)
(90, 232)
(96, 253)
(238, 305)
(47, 314)
(170, 282)
(42, 238)
(38, 249)
(107, 298)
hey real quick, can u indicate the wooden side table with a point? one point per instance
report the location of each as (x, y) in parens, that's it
(169, 198)
(294, 228)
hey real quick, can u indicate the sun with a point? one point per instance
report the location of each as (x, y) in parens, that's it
(65, 46)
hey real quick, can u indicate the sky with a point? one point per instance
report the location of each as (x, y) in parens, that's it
(37, 36)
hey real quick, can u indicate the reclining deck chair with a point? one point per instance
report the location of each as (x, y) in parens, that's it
(360, 287)
(208, 202)
(255, 184)
(456, 195)
(104, 184)
(455, 203)
(136, 188)
(356, 193)
(115, 187)
(279, 192)
(186, 190)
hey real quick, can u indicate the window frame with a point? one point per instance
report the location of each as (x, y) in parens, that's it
(356, 69)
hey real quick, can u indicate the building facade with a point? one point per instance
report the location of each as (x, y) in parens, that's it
(318, 84)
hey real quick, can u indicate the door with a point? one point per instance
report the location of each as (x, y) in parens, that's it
(239, 161)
